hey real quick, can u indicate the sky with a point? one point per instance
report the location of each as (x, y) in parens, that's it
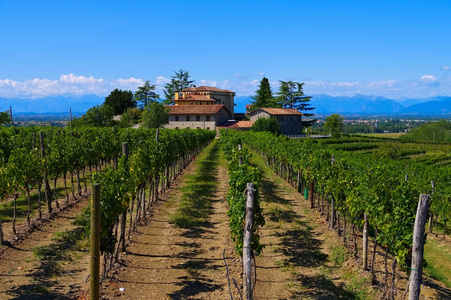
(395, 49)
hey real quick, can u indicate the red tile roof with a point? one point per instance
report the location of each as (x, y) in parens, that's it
(236, 125)
(242, 124)
(195, 109)
(205, 89)
(279, 111)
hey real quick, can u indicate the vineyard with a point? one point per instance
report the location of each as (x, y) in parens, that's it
(361, 188)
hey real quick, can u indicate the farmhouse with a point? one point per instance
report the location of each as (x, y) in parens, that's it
(289, 119)
(206, 95)
(197, 116)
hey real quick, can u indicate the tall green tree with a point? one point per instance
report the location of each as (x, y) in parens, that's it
(263, 96)
(155, 115)
(291, 95)
(96, 116)
(146, 94)
(334, 125)
(120, 100)
(4, 117)
(179, 81)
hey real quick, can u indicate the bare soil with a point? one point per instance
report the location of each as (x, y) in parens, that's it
(166, 262)
(58, 275)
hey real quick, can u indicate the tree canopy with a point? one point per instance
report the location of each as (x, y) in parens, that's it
(146, 94)
(120, 100)
(263, 96)
(334, 125)
(291, 95)
(179, 81)
(4, 117)
(267, 124)
(96, 116)
(439, 131)
(155, 115)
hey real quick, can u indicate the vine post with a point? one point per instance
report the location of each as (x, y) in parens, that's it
(46, 179)
(418, 247)
(95, 242)
(365, 241)
(247, 250)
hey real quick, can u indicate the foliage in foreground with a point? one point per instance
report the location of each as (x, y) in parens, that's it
(239, 176)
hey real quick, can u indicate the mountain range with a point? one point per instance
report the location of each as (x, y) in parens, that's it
(323, 103)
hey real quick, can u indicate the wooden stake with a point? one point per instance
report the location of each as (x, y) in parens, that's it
(247, 250)
(365, 242)
(95, 242)
(418, 248)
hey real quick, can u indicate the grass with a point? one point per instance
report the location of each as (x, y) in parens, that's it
(338, 255)
(438, 258)
(195, 206)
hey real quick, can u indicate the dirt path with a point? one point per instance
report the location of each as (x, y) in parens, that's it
(48, 264)
(166, 262)
(293, 261)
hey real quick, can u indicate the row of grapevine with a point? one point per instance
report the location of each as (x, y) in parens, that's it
(240, 173)
(148, 163)
(353, 185)
(31, 157)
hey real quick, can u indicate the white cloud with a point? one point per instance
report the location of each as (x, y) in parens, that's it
(429, 77)
(161, 81)
(66, 85)
(445, 68)
(73, 85)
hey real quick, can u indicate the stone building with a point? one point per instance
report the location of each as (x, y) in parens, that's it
(197, 116)
(206, 95)
(289, 119)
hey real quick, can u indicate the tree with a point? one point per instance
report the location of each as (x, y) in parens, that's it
(179, 81)
(334, 125)
(291, 95)
(120, 100)
(263, 96)
(146, 94)
(4, 117)
(130, 117)
(96, 116)
(155, 115)
(267, 124)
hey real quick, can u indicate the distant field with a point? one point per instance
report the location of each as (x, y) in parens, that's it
(387, 135)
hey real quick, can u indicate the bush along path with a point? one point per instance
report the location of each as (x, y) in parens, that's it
(180, 253)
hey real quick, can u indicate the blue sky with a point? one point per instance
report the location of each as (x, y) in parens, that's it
(397, 49)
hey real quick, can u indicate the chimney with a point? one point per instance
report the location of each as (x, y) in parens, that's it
(194, 86)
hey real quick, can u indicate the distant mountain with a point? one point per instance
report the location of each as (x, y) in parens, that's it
(438, 106)
(324, 104)
(50, 104)
(361, 104)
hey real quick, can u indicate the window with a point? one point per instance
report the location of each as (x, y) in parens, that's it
(197, 118)
(208, 128)
(176, 118)
(187, 118)
(208, 118)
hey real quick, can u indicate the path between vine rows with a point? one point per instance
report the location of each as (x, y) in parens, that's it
(60, 274)
(166, 262)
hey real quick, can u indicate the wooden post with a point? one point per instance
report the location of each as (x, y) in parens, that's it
(365, 242)
(46, 180)
(124, 214)
(431, 217)
(95, 242)
(11, 115)
(418, 248)
(247, 250)
(312, 186)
